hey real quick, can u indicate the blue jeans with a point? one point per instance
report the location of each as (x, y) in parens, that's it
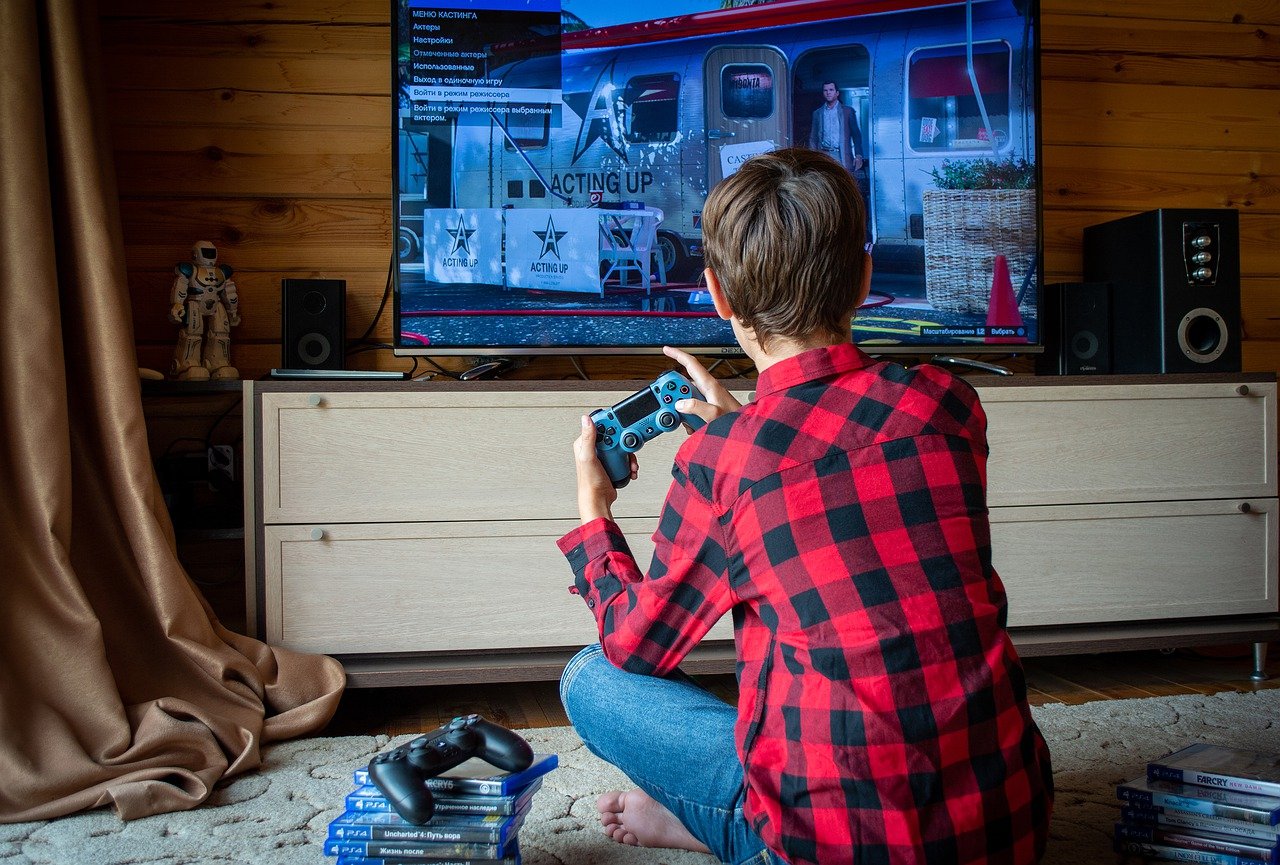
(673, 739)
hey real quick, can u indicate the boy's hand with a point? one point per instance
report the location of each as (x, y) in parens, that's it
(596, 493)
(718, 400)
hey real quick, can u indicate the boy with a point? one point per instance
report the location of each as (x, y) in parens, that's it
(841, 518)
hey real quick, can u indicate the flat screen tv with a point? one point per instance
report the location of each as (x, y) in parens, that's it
(551, 161)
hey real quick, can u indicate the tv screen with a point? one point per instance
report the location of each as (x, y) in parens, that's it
(551, 161)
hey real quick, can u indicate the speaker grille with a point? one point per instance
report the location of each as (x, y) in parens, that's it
(1076, 323)
(313, 328)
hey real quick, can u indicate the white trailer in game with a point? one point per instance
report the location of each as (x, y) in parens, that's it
(659, 111)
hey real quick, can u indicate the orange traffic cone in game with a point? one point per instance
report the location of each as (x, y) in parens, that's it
(1004, 322)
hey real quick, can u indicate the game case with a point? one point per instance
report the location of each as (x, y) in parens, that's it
(1253, 851)
(370, 798)
(1170, 818)
(475, 777)
(356, 860)
(421, 850)
(1178, 854)
(1201, 800)
(455, 828)
(1220, 767)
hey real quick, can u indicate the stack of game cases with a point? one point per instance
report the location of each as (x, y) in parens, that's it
(476, 819)
(1204, 803)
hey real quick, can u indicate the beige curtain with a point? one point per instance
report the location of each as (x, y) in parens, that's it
(117, 683)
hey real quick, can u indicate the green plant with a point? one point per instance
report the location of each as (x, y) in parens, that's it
(1007, 173)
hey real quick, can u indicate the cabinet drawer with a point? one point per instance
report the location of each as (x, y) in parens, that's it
(1140, 442)
(386, 456)
(430, 587)
(437, 456)
(1128, 562)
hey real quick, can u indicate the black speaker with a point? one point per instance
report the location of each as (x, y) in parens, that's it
(1175, 289)
(1075, 319)
(314, 332)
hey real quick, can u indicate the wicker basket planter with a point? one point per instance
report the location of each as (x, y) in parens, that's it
(964, 231)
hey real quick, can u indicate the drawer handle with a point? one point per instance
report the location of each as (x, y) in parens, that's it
(315, 400)
(1243, 390)
(317, 534)
(1244, 508)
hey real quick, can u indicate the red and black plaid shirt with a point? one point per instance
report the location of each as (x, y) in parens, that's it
(841, 516)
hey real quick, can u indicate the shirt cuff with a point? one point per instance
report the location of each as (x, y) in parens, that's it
(597, 537)
(589, 542)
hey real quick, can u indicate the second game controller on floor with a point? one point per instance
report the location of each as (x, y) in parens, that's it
(646, 414)
(401, 773)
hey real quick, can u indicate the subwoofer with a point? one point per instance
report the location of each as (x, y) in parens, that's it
(314, 329)
(1175, 289)
(1075, 319)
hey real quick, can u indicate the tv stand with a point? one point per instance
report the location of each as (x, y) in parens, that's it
(970, 363)
(408, 528)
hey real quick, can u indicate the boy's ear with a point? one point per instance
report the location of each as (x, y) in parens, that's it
(717, 295)
(865, 290)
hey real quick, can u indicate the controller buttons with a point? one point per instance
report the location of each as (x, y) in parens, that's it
(600, 429)
(684, 388)
(666, 397)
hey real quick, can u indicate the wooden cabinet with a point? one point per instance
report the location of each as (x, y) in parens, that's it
(409, 529)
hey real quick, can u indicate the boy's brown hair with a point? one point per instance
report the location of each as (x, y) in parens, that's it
(784, 236)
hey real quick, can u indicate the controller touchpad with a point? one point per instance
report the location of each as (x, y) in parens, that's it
(636, 407)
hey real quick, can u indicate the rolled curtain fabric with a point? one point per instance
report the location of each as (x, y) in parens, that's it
(117, 683)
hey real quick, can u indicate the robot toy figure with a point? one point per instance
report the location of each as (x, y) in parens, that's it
(205, 304)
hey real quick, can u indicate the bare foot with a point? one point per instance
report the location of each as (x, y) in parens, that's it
(634, 817)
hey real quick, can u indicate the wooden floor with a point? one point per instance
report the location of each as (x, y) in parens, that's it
(1067, 679)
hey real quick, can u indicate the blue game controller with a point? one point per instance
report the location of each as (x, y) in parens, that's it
(646, 414)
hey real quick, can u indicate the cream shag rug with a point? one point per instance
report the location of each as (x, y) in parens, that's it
(280, 813)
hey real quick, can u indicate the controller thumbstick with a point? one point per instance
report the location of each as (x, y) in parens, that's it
(667, 420)
(631, 441)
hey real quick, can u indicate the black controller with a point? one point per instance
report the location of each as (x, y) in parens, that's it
(401, 773)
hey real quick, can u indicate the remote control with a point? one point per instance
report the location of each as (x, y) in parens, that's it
(646, 414)
(401, 773)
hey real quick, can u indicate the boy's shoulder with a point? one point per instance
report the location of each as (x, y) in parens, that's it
(946, 401)
(902, 386)
(931, 378)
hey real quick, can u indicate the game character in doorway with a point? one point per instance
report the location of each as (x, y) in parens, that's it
(835, 130)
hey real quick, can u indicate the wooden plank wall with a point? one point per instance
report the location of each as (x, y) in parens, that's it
(264, 126)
